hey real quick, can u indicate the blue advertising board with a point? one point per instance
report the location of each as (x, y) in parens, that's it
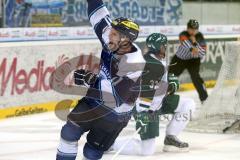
(27, 13)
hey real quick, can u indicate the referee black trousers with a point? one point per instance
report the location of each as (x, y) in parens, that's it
(193, 66)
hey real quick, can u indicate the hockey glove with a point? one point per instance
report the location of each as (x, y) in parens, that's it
(173, 84)
(144, 119)
(83, 77)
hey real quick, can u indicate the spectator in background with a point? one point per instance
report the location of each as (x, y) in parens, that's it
(23, 18)
(192, 48)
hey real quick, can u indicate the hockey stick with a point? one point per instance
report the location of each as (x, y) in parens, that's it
(124, 145)
(233, 125)
(136, 132)
(236, 123)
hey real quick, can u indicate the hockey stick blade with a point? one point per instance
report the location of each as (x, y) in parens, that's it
(233, 125)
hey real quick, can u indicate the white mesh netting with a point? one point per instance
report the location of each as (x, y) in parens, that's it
(221, 112)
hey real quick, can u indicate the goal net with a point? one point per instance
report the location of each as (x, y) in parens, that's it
(221, 112)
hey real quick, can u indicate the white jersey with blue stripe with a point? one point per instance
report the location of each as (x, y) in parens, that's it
(117, 73)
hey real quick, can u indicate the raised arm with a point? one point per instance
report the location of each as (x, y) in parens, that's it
(201, 45)
(187, 46)
(99, 18)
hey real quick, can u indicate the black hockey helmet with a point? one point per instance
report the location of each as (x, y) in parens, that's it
(127, 27)
(192, 23)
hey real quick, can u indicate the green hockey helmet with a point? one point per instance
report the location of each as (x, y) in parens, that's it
(155, 41)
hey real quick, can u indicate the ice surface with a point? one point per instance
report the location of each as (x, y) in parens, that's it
(36, 137)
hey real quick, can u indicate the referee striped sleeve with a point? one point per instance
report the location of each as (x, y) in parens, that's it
(187, 44)
(183, 52)
(202, 50)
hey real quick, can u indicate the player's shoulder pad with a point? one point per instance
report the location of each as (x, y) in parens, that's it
(132, 64)
(135, 57)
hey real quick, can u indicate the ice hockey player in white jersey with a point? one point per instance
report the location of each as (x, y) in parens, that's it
(108, 104)
(157, 98)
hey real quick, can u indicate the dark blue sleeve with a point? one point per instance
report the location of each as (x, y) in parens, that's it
(126, 89)
(99, 18)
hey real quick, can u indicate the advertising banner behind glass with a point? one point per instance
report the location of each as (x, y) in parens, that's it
(44, 13)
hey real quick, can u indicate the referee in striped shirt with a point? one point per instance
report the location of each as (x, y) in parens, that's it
(192, 48)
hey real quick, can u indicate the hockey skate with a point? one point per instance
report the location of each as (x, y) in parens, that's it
(173, 144)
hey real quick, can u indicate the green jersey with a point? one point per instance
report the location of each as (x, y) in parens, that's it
(154, 83)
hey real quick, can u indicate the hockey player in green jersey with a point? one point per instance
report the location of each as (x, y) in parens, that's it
(157, 97)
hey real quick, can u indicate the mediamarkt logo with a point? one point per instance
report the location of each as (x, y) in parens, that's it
(20, 80)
